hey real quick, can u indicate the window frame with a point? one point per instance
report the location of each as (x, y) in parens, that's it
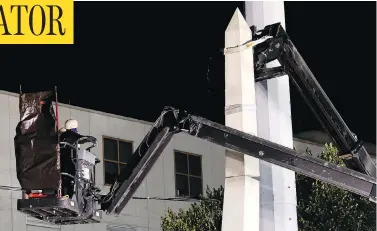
(187, 175)
(112, 161)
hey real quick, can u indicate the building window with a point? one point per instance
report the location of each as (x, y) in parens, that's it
(116, 154)
(188, 175)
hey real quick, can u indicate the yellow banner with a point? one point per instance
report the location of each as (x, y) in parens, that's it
(36, 22)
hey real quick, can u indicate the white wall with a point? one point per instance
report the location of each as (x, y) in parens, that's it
(160, 182)
(316, 149)
(302, 145)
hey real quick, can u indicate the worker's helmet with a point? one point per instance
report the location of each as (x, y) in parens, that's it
(71, 125)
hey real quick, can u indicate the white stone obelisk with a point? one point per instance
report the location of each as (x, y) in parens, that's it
(241, 196)
(278, 187)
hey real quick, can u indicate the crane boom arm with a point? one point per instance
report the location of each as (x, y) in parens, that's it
(174, 120)
(280, 47)
(359, 177)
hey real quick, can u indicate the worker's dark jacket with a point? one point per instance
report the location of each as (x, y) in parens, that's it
(65, 153)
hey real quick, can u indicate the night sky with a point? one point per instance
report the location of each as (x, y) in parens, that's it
(133, 58)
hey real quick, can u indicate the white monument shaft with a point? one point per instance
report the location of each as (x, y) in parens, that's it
(278, 191)
(241, 196)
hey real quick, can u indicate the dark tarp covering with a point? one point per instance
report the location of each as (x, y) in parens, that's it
(36, 142)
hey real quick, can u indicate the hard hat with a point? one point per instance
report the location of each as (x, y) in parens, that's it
(71, 124)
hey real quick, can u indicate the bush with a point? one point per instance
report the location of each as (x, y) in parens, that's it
(321, 206)
(203, 216)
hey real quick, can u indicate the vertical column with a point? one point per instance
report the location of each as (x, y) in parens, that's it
(278, 187)
(241, 196)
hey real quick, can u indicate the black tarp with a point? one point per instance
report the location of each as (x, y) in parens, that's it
(36, 142)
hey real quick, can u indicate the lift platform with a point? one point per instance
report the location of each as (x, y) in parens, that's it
(59, 211)
(43, 177)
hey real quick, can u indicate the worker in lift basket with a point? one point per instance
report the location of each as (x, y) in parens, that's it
(70, 135)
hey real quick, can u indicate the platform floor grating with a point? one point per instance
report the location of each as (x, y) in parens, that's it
(59, 211)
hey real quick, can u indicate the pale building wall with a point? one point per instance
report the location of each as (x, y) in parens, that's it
(315, 142)
(302, 145)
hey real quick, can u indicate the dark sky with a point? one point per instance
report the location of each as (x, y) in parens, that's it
(133, 58)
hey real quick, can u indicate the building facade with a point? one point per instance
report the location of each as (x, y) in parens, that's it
(186, 167)
(314, 142)
(182, 161)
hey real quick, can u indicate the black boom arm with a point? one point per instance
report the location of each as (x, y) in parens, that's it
(278, 46)
(173, 121)
(359, 177)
